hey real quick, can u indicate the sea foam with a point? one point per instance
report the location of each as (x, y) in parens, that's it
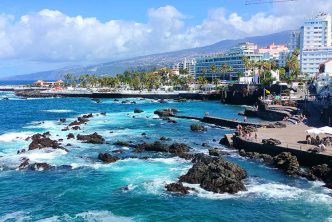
(58, 111)
(13, 136)
(88, 216)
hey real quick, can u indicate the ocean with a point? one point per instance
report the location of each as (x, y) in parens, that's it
(82, 188)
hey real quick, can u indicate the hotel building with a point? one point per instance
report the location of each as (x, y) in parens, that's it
(233, 58)
(316, 44)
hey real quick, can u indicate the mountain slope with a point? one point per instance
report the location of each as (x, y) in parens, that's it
(155, 60)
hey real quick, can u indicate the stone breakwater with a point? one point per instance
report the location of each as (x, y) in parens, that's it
(164, 95)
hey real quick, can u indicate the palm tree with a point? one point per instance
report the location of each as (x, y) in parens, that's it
(68, 78)
(225, 68)
(213, 70)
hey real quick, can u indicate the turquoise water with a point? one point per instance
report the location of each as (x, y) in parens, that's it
(91, 191)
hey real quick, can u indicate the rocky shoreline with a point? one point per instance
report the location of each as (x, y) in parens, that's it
(212, 172)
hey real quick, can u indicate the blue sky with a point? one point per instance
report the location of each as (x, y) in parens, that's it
(38, 35)
(134, 10)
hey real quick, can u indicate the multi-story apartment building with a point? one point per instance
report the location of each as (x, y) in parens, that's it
(186, 64)
(272, 51)
(316, 44)
(294, 41)
(233, 58)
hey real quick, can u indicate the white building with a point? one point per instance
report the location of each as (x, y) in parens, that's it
(294, 41)
(188, 65)
(283, 56)
(323, 82)
(313, 57)
(233, 58)
(316, 44)
(316, 32)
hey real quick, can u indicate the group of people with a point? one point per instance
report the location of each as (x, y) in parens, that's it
(321, 143)
(296, 118)
(245, 134)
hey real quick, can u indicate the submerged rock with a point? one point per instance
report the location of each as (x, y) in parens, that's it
(138, 111)
(107, 158)
(197, 128)
(123, 143)
(215, 174)
(177, 188)
(94, 138)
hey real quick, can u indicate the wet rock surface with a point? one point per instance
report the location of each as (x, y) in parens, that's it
(197, 128)
(138, 111)
(287, 163)
(40, 141)
(321, 172)
(177, 188)
(215, 174)
(166, 112)
(94, 138)
(107, 158)
(178, 148)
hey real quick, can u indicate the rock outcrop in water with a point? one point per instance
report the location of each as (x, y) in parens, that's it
(70, 136)
(155, 146)
(177, 188)
(215, 174)
(287, 163)
(40, 141)
(166, 112)
(284, 161)
(107, 158)
(178, 148)
(35, 166)
(138, 111)
(197, 128)
(321, 172)
(94, 138)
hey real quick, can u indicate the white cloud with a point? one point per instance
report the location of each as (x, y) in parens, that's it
(52, 36)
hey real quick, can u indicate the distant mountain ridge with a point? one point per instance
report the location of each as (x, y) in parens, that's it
(154, 60)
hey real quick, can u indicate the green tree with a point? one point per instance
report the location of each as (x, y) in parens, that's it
(213, 70)
(293, 64)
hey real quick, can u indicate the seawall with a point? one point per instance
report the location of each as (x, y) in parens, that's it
(305, 158)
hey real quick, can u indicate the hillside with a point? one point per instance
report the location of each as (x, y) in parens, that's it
(155, 60)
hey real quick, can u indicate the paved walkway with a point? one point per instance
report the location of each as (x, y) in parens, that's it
(293, 136)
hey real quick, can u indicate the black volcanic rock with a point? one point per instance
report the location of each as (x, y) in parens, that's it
(197, 128)
(70, 136)
(165, 112)
(178, 148)
(177, 188)
(215, 174)
(287, 163)
(107, 158)
(138, 111)
(94, 138)
(40, 141)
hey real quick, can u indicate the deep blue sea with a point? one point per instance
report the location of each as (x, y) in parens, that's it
(91, 190)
